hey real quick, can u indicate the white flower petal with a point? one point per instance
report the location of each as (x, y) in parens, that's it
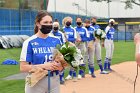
(99, 31)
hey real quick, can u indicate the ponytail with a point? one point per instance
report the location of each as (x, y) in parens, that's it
(35, 29)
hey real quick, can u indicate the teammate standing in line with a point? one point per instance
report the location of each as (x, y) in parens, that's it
(37, 53)
(60, 35)
(90, 48)
(57, 33)
(94, 23)
(82, 31)
(109, 44)
(71, 36)
(97, 46)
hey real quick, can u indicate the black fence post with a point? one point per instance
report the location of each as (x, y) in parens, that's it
(125, 32)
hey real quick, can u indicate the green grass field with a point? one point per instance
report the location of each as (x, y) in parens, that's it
(124, 51)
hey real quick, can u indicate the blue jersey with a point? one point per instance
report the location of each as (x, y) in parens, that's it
(70, 33)
(82, 31)
(110, 31)
(91, 33)
(96, 26)
(60, 35)
(37, 50)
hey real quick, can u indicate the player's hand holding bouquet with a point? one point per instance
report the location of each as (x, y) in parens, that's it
(99, 34)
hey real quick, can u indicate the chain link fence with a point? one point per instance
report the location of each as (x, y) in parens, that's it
(17, 18)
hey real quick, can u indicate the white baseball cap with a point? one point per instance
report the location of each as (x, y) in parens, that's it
(111, 20)
(55, 24)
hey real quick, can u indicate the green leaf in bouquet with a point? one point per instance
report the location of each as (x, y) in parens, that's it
(72, 50)
(82, 68)
(63, 50)
(75, 69)
(58, 46)
(67, 44)
(67, 57)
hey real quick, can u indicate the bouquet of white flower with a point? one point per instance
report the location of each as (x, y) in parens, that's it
(100, 34)
(71, 54)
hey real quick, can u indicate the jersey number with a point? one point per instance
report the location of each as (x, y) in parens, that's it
(48, 58)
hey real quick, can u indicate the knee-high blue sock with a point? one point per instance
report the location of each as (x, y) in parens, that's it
(91, 68)
(70, 72)
(74, 73)
(61, 76)
(109, 63)
(81, 72)
(100, 65)
(82, 69)
(106, 63)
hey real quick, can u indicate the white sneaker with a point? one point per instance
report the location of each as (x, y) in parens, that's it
(89, 72)
(104, 72)
(79, 77)
(68, 77)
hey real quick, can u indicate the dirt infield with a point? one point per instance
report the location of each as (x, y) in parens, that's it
(120, 81)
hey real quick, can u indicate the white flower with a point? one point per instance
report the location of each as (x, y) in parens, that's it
(75, 63)
(78, 57)
(99, 31)
(103, 35)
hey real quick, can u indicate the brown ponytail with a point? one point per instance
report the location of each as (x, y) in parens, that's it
(35, 29)
(39, 17)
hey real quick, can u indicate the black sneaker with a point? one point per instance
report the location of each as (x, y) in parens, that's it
(93, 75)
(83, 75)
(62, 82)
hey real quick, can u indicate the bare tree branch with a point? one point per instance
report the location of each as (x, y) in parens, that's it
(133, 1)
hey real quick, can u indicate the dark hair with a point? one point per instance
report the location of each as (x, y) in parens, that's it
(78, 17)
(87, 21)
(55, 20)
(93, 18)
(39, 17)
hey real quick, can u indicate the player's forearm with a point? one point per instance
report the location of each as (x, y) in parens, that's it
(137, 53)
(25, 67)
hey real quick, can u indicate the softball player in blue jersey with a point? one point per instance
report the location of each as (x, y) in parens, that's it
(93, 23)
(62, 38)
(82, 31)
(71, 36)
(37, 50)
(109, 44)
(97, 46)
(90, 48)
(57, 33)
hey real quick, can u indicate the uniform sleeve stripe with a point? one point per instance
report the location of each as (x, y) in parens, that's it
(25, 47)
(107, 28)
(75, 34)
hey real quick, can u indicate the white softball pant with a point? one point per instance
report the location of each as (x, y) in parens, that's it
(109, 46)
(82, 47)
(97, 49)
(42, 86)
(90, 52)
